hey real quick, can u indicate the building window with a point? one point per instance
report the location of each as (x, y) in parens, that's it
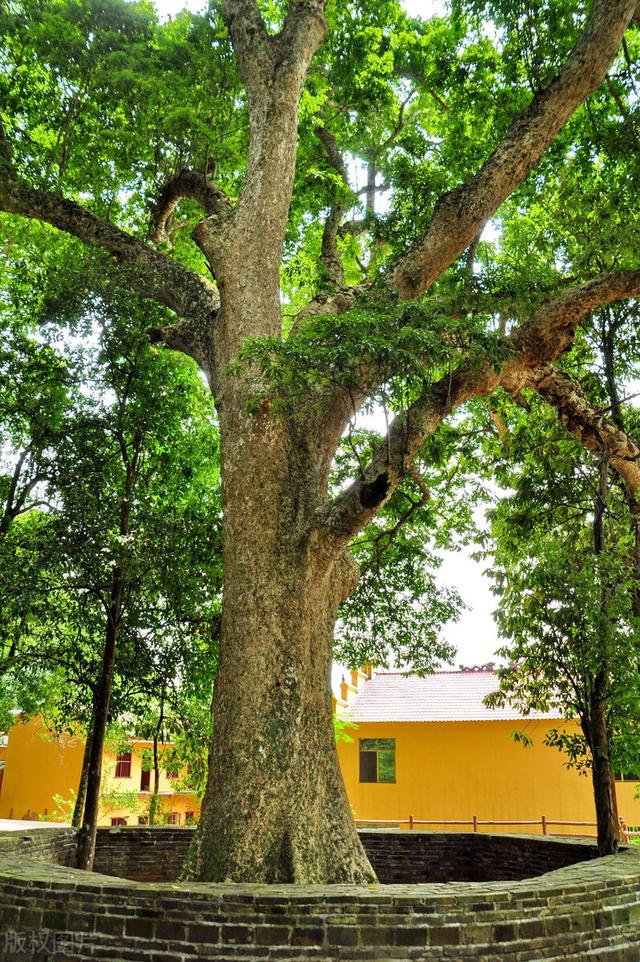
(172, 774)
(123, 765)
(118, 821)
(145, 780)
(173, 818)
(189, 818)
(143, 820)
(377, 759)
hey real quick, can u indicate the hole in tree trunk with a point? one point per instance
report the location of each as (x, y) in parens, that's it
(372, 494)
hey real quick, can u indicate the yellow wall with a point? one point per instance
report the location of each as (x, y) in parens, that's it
(170, 800)
(39, 766)
(455, 770)
(628, 804)
(448, 770)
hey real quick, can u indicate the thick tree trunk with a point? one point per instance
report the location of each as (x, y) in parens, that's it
(602, 778)
(275, 809)
(78, 810)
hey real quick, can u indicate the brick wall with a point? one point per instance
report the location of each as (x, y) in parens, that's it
(401, 857)
(44, 844)
(157, 855)
(142, 854)
(47, 912)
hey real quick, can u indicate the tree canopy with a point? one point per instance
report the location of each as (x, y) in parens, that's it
(336, 206)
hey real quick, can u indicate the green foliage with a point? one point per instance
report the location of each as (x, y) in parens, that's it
(342, 729)
(103, 103)
(520, 737)
(63, 810)
(403, 346)
(129, 434)
(190, 730)
(100, 93)
(566, 609)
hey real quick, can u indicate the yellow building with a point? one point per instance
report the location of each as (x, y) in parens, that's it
(425, 749)
(41, 772)
(429, 749)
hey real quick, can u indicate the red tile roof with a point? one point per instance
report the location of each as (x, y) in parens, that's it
(442, 697)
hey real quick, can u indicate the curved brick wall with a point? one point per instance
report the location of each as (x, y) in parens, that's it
(587, 911)
(157, 855)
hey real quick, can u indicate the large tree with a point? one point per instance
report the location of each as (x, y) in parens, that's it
(100, 103)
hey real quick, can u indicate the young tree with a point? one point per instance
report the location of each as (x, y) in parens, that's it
(101, 103)
(131, 497)
(561, 545)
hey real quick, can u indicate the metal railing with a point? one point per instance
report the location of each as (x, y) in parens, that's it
(474, 823)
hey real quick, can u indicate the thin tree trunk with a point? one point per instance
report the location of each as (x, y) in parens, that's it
(608, 826)
(602, 778)
(78, 810)
(87, 841)
(608, 355)
(155, 797)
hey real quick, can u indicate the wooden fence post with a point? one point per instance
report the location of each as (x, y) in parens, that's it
(475, 823)
(544, 824)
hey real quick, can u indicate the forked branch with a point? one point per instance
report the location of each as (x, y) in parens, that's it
(534, 345)
(250, 39)
(303, 29)
(461, 213)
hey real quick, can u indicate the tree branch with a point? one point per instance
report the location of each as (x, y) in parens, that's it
(336, 160)
(590, 427)
(274, 71)
(304, 27)
(329, 254)
(191, 336)
(329, 257)
(10, 508)
(152, 273)
(192, 185)
(250, 39)
(259, 54)
(534, 345)
(461, 213)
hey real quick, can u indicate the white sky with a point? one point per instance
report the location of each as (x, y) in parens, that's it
(474, 634)
(417, 8)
